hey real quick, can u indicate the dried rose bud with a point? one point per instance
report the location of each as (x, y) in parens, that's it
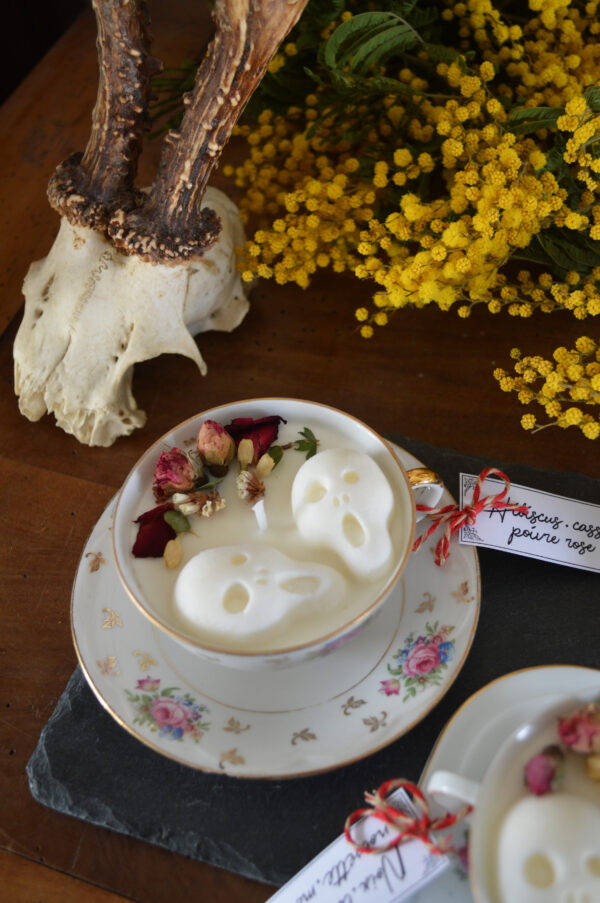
(545, 772)
(268, 461)
(173, 553)
(265, 466)
(245, 453)
(174, 473)
(592, 766)
(153, 532)
(262, 432)
(249, 487)
(580, 731)
(216, 447)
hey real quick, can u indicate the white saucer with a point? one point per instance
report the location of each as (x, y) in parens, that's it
(473, 735)
(302, 720)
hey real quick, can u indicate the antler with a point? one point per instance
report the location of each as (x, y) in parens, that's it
(87, 188)
(171, 226)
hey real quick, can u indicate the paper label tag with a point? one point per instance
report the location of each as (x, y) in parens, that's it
(556, 528)
(341, 874)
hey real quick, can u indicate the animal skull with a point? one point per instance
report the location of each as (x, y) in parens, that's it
(92, 312)
(342, 500)
(549, 851)
(97, 305)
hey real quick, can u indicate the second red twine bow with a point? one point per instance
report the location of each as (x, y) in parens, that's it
(408, 827)
(454, 517)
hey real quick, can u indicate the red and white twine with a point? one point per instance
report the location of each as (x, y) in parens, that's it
(455, 517)
(408, 827)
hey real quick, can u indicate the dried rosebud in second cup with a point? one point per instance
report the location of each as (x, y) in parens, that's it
(580, 731)
(545, 772)
(215, 446)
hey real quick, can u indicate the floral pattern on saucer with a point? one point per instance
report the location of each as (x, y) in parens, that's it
(421, 662)
(295, 721)
(173, 715)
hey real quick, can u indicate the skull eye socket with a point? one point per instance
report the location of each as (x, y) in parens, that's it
(315, 492)
(239, 558)
(351, 476)
(236, 598)
(539, 871)
(593, 865)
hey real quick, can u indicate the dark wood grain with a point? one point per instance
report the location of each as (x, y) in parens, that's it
(428, 375)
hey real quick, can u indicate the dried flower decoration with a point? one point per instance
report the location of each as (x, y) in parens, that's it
(545, 772)
(579, 732)
(174, 472)
(245, 453)
(262, 432)
(215, 446)
(173, 553)
(154, 532)
(250, 487)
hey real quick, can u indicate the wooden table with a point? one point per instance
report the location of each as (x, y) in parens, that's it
(429, 376)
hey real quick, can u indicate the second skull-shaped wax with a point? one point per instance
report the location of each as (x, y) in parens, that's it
(342, 500)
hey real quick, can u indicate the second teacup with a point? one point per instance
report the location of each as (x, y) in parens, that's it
(525, 848)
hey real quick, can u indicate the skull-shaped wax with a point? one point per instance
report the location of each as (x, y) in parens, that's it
(549, 851)
(242, 591)
(341, 500)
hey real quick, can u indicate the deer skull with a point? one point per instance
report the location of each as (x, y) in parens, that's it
(135, 274)
(92, 312)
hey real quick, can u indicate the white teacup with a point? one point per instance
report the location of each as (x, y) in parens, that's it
(518, 851)
(151, 586)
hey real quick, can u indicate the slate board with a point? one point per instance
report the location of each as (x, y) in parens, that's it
(86, 765)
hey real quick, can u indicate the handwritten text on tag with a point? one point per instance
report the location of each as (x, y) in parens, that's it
(340, 874)
(555, 528)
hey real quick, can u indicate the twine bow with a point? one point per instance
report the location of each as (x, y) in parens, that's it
(455, 517)
(408, 827)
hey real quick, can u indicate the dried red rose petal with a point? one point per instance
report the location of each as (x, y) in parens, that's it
(153, 532)
(174, 473)
(262, 432)
(544, 772)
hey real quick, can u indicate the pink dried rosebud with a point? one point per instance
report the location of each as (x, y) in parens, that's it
(153, 532)
(580, 731)
(174, 473)
(262, 432)
(216, 447)
(545, 772)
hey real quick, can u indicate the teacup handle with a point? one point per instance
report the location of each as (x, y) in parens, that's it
(428, 485)
(449, 784)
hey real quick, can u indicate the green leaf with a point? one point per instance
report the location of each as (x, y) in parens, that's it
(177, 521)
(592, 98)
(378, 48)
(530, 119)
(275, 452)
(567, 252)
(350, 34)
(439, 53)
(308, 444)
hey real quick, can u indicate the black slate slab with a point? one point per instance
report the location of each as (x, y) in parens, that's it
(85, 765)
